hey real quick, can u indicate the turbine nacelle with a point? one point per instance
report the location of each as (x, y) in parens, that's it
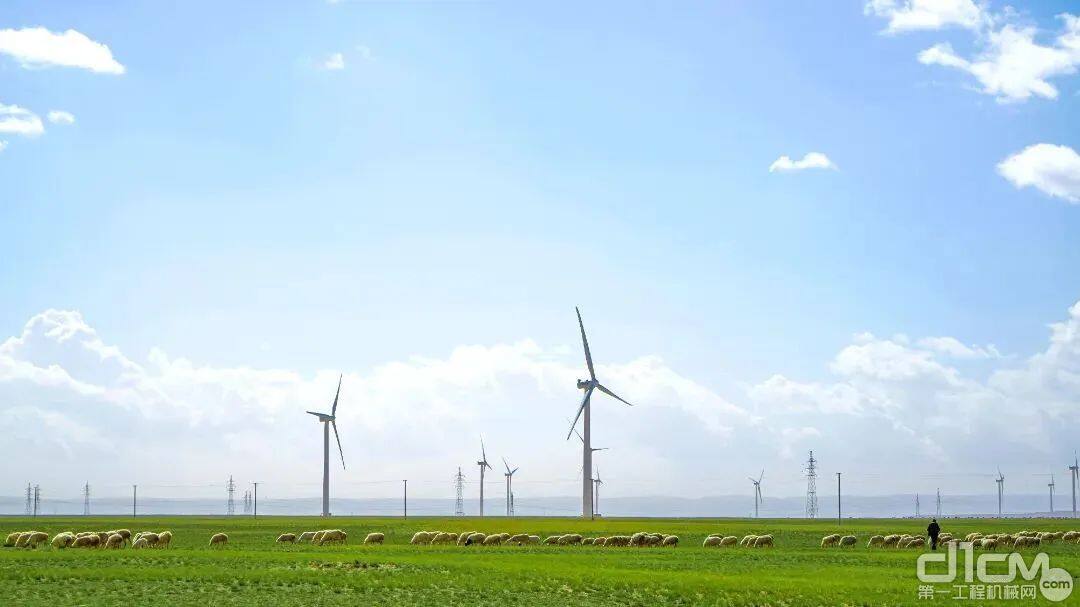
(585, 384)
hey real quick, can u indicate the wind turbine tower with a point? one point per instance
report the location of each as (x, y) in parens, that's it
(1051, 486)
(328, 420)
(509, 474)
(596, 492)
(1000, 480)
(916, 505)
(757, 491)
(483, 463)
(1074, 473)
(588, 386)
(938, 504)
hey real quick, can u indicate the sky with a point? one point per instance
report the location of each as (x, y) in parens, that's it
(848, 227)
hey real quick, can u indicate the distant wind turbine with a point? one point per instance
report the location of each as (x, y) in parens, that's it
(1000, 480)
(483, 463)
(757, 491)
(1051, 486)
(596, 493)
(1074, 473)
(509, 474)
(327, 421)
(588, 386)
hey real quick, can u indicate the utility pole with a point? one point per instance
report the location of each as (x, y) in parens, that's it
(405, 499)
(811, 487)
(134, 500)
(459, 486)
(230, 506)
(838, 518)
(86, 499)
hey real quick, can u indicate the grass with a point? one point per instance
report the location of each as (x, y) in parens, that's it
(252, 570)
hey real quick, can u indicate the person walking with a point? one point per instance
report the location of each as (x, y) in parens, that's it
(933, 530)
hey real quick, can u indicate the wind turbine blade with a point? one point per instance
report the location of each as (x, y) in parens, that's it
(600, 448)
(761, 476)
(612, 394)
(316, 414)
(581, 438)
(514, 471)
(333, 410)
(507, 466)
(752, 480)
(585, 342)
(483, 453)
(338, 438)
(584, 402)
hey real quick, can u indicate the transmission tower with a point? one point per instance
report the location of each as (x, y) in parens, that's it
(459, 486)
(938, 508)
(247, 501)
(29, 499)
(230, 509)
(37, 499)
(86, 499)
(811, 487)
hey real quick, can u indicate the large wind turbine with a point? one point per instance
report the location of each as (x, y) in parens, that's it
(483, 463)
(1051, 485)
(588, 386)
(1000, 480)
(327, 421)
(1074, 473)
(509, 474)
(757, 491)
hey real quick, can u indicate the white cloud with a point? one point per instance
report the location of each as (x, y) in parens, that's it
(336, 61)
(909, 15)
(950, 346)
(15, 120)
(813, 160)
(61, 117)
(36, 47)
(1052, 169)
(3, 145)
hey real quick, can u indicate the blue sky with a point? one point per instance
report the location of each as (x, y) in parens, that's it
(474, 170)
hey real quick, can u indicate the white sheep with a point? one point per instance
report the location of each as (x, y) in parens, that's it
(670, 540)
(218, 539)
(286, 538)
(306, 536)
(335, 536)
(422, 537)
(748, 540)
(830, 540)
(374, 538)
(62, 540)
(763, 541)
(475, 539)
(137, 544)
(552, 539)
(876, 540)
(848, 540)
(712, 542)
(115, 541)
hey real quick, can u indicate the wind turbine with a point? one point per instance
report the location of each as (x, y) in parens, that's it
(588, 386)
(1051, 485)
(509, 474)
(596, 491)
(1000, 480)
(1074, 473)
(757, 491)
(483, 463)
(327, 421)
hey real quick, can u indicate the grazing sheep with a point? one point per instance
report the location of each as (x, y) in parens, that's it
(150, 537)
(1027, 541)
(830, 540)
(712, 542)
(453, 538)
(286, 538)
(306, 536)
(317, 538)
(422, 537)
(848, 540)
(587, 541)
(618, 540)
(764, 541)
(638, 539)
(115, 541)
(748, 540)
(124, 533)
(916, 542)
(441, 537)
(24, 537)
(374, 538)
(164, 539)
(729, 540)
(600, 541)
(519, 539)
(11, 539)
(572, 538)
(670, 540)
(139, 543)
(988, 543)
(334, 536)
(904, 541)
(876, 540)
(1070, 536)
(552, 540)
(653, 539)
(494, 539)
(62, 540)
(37, 537)
(972, 536)
(463, 536)
(476, 539)
(85, 541)
(218, 539)
(534, 539)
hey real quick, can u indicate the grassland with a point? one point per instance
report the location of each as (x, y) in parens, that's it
(252, 570)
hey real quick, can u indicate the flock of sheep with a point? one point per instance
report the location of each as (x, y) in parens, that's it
(115, 539)
(748, 541)
(989, 541)
(476, 538)
(326, 536)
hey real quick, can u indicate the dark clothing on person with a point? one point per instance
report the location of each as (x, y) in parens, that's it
(933, 530)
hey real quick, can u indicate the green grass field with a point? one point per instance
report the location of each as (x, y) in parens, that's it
(252, 570)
